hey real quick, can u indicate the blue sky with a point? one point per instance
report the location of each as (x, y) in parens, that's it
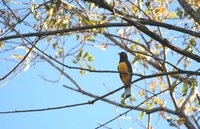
(29, 91)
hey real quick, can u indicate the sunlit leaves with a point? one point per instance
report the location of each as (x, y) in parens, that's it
(55, 44)
(17, 56)
(185, 88)
(180, 121)
(27, 60)
(163, 85)
(142, 93)
(150, 105)
(1, 44)
(134, 9)
(179, 13)
(194, 83)
(153, 86)
(91, 58)
(171, 15)
(174, 84)
(83, 58)
(158, 101)
(193, 42)
(142, 115)
(50, 12)
(82, 71)
(163, 10)
(33, 8)
(60, 53)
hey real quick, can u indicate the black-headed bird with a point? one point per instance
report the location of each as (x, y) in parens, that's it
(125, 74)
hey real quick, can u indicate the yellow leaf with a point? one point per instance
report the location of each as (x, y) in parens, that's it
(27, 66)
(134, 9)
(17, 56)
(50, 12)
(191, 109)
(142, 49)
(163, 10)
(1, 44)
(158, 101)
(172, 15)
(155, 52)
(82, 71)
(104, 45)
(187, 63)
(142, 93)
(133, 47)
(153, 86)
(181, 121)
(180, 102)
(164, 86)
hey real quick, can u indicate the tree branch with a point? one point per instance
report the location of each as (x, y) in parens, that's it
(190, 10)
(27, 54)
(168, 26)
(145, 30)
(179, 113)
(63, 31)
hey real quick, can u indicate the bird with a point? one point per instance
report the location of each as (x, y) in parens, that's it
(125, 73)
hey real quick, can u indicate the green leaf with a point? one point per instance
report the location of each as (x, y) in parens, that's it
(91, 58)
(150, 106)
(80, 54)
(158, 101)
(123, 102)
(90, 67)
(77, 36)
(123, 96)
(193, 42)
(172, 15)
(157, 10)
(135, 59)
(47, 7)
(55, 44)
(58, 3)
(86, 55)
(180, 13)
(174, 83)
(74, 61)
(185, 88)
(49, 38)
(91, 39)
(147, 4)
(142, 115)
(181, 121)
(194, 83)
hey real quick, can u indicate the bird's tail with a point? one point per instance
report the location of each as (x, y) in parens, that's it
(127, 91)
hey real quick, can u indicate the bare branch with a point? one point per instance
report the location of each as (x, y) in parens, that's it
(27, 54)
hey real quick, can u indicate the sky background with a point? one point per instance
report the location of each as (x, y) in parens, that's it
(28, 90)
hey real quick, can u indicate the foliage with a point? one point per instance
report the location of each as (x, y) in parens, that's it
(161, 36)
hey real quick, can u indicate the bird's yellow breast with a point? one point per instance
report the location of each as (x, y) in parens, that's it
(126, 78)
(123, 67)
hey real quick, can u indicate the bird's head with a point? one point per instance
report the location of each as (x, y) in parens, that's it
(123, 56)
